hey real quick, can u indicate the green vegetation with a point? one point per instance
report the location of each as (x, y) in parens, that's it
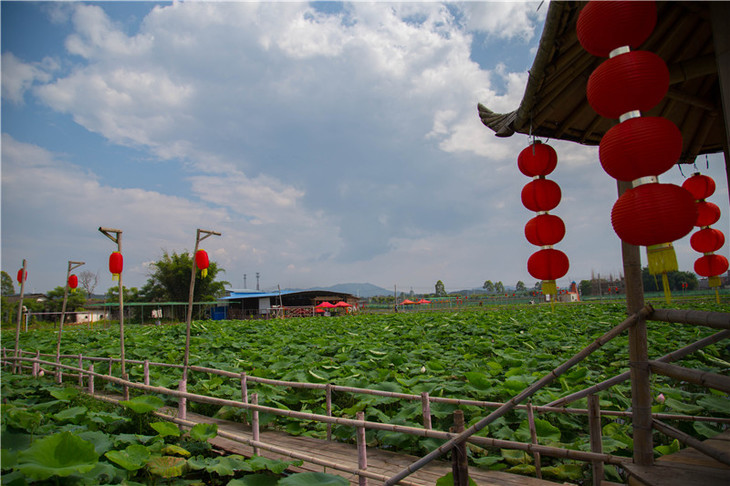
(57, 435)
(488, 355)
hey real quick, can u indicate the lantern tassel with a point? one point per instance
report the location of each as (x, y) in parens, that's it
(203, 272)
(662, 258)
(667, 291)
(115, 276)
(549, 287)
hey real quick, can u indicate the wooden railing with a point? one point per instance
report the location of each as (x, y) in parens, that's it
(249, 401)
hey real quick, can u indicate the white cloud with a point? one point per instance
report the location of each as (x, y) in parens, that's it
(18, 77)
(506, 19)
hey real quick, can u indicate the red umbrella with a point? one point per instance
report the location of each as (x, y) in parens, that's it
(406, 302)
(342, 303)
(325, 305)
(423, 301)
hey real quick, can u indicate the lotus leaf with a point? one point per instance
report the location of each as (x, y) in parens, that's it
(167, 466)
(144, 403)
(57, 455)
(166, 429)
(203, 432)
(313, 479)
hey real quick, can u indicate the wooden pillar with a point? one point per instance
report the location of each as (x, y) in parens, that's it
(146, 369)
(426, 410)
(459, 460)
(91, 379)
(533, 438)
(594, 424)
(81, 372)
(638, 352)
(362, 453)
(328, 394)
(719, 13)
(182, 410)
(255, 422)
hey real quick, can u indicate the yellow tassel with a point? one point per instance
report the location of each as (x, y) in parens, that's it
(715, 281)
(667, 291)
(662, 258)
(204, 273)
(549, 287)
(115, 276)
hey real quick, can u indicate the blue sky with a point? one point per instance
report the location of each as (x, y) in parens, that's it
(327, 142)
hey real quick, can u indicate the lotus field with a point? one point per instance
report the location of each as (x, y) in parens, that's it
(488, 355)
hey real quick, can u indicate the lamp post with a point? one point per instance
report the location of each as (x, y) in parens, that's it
(23, 276)
(116, 236)
(71, 266)
(198, 239)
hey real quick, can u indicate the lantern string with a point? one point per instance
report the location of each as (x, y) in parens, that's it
(679, 166)
(707, 162)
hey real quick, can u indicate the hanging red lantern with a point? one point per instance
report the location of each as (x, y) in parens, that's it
(545, 230)
(548, 264)
(711, 265)
(541, 195)
(73, 282)
(538, 159)
(20, 276)
(116, 264)
(202, 262)
(652, 214)
(707, 240)
(636, 80)
(701, 186)
(603, 26)
(707, 213)
(640, 147)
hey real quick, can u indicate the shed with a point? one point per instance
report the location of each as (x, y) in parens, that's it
(252, 304)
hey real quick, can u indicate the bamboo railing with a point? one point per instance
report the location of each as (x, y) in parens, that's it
(455, 438)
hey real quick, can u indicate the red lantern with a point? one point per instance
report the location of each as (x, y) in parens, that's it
(201, 261)
(603, 26)
(537, 160)
(73, 282)
(636, 80)
(116, 264)
(707, 213)
(541, 195)
(707, 240)
(652, 214)
(544, 230)
(20, 276)
(640, 147)
(711, 265)
(701, 186)
(548, 264)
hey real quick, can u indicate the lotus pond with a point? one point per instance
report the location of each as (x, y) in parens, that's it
(485, 355)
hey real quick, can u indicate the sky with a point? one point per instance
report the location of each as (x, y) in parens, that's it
(327, 142)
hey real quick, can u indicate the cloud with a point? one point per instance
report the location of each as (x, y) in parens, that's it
(18, 77)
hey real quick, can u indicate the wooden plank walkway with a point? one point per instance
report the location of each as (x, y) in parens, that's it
(687, 467)
(379, 461)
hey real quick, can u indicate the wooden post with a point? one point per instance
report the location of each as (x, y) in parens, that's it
(362, 453)
(328, 395)
(182, 411)
(533, 438)
(91, 378)
(426, 409)
(111, 363)
(255, 422)
(146, 369)
(16, 364)
(36, 365)
(198, 239)
(244, 387)
(638, 352)
(81, 372)
(71, 265)
(594, 424)
(459, 461)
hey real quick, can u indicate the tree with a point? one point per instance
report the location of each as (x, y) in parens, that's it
(7, 284)
(586, 287)
(88, 281)
(488, 286)
(131, 294)
(440, 289)
(520, 287)
(74, 301)
(653, 283)
(499, 287)
(170, 280)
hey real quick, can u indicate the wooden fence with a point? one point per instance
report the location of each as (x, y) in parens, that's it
(86, 376)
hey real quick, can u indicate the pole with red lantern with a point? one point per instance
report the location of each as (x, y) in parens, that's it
(707, 240)
(544, 230)
(22, 277)
(200, 260)
(115, 267)
(69, 281)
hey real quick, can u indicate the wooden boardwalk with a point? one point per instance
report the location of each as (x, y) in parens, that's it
(687, 467)
(379, 461)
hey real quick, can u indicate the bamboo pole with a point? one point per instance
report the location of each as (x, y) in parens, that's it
(91, 379)
(533, 438)
(698, 377)
(182, 407)
(596, 433)
(667, 358)
(23, 278)
(459, 460)
(717, 320)
(328, 408)
(526, 393)
(362, 452)
(426, 410)
(638, 352)
(690, 441)
(146, 369)
(255, 422)
(36, 366)
(71, 266)
(81, 374)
